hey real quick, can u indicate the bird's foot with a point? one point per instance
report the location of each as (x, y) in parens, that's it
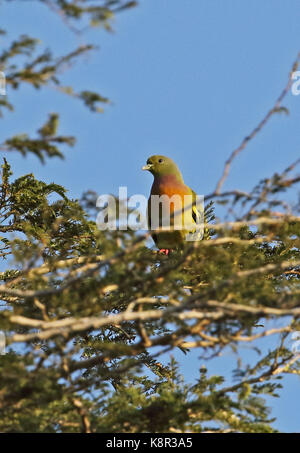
(164, 251)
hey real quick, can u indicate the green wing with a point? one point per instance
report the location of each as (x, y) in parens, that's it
(198, 217)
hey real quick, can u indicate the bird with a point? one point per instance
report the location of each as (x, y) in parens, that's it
(168, 181)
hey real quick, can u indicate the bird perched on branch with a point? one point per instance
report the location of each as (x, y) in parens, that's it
(168, 184)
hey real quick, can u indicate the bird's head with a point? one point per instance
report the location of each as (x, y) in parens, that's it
(162, 166)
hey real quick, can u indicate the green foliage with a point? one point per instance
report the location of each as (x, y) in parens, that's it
(97, 313)
(44, 145)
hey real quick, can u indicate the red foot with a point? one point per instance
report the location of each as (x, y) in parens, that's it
(164, 251)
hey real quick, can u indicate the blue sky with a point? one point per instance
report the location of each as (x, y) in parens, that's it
(187, 78)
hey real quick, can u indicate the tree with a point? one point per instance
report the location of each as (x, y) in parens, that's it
(96, 312)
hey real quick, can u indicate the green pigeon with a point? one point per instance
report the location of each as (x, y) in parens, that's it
(181, 222)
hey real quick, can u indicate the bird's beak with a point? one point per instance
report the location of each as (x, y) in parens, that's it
(147, 167)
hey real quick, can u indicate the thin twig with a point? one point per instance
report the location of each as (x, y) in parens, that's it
(258, 128)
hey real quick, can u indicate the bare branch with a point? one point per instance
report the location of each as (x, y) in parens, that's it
(258, 128)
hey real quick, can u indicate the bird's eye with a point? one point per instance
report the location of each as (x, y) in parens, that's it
(160, 160)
